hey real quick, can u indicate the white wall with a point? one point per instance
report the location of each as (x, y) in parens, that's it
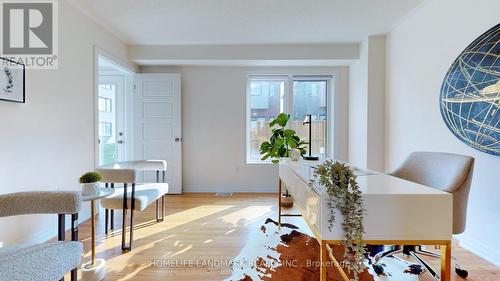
(358, 108)
(376, 102)
(213, 126)
(420, 51)
(47, 143)
(366, 105)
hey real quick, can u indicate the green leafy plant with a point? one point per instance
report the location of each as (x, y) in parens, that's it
(90, 177)
(342, 187)
(282, 140)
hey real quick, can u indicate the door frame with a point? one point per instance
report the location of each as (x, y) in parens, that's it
(128, 101)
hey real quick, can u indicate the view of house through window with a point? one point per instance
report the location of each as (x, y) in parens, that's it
(107, 124)
(105, 104)
(269, 96)
(105, 129)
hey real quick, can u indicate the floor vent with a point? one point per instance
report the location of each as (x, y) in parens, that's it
(224, 194)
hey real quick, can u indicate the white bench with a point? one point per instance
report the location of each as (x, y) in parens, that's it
(145, 195)
(138, 197)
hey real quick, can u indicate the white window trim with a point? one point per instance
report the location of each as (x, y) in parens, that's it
(288, 108)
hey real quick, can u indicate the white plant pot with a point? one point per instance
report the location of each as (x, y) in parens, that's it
(295, 154)
(90, 188)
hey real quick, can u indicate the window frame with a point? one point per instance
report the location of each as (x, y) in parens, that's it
(108, 126)
(288, 107)
(108, 104)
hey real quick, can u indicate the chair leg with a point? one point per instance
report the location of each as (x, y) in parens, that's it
(425, 265)
(61, 234)
(420, 251)
(458, 269)
(74, 227)
(124, 218)
(392, 251)
(158, 218)
(112, 214)
(157, 210)
(74, 237)
(61, 227)
(106, 223)
(379, 269)
(132, 208)
(106, 213)
(126, 248)
(162, 207)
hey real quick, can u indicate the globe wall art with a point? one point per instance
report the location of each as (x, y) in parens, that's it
(470, 94)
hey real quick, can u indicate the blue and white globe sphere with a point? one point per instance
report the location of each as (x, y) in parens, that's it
(470, 94)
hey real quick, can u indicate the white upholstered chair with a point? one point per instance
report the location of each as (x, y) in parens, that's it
(48, 261)
(444, 171)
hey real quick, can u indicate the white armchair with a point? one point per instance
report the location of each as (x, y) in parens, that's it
(48, 261)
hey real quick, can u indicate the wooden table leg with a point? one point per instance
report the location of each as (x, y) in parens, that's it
(446, 262)
(323, 258)
(279, 202)
(336, 263)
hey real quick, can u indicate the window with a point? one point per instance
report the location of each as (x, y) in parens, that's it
(267, 100)
(268, 96)
(105, 129)
(105, 105)
(309, 97)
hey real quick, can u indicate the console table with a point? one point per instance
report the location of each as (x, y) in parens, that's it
(397, 212)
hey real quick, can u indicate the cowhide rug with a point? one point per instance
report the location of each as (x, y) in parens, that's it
(287, 254)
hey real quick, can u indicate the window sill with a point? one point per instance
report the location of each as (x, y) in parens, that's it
(258, 162)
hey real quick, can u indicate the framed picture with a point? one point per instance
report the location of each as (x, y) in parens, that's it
(12, 81)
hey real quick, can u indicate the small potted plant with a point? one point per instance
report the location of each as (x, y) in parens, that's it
(90, 183)
(280, 145)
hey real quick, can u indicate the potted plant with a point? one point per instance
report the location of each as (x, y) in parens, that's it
(281, 142)
(90, 183)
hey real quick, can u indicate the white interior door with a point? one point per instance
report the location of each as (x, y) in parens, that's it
(157, 126)
(111, 119)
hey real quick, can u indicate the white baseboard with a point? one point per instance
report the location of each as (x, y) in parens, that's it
(214, 189)
(478, 248)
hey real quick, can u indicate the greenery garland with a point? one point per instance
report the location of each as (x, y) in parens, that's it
(340, 183)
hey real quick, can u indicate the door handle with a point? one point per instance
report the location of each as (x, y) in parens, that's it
(178, 139)
(120, 142)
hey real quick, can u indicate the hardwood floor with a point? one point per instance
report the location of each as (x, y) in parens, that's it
(202, 228)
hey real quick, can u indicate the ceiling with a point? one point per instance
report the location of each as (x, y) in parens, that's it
(211, 22)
